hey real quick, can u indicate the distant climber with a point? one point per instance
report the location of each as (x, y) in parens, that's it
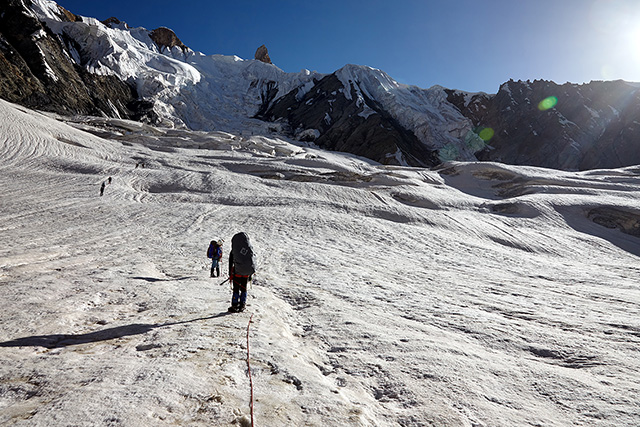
(215, 253)
(242, 265)
(109, 180)
(102, 188)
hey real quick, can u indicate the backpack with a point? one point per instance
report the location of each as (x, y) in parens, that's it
(214, 251)
(244, 260)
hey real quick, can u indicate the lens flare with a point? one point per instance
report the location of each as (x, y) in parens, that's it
(608, 72)
(448, 152)
(486, 134)
(547, 103)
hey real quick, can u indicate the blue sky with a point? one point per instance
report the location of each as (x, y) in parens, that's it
(472, 45)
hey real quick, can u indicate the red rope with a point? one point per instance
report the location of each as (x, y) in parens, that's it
(249, 369)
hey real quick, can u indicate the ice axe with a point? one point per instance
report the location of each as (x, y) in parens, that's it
(227, 280)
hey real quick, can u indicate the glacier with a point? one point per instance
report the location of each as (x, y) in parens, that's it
(476, 294)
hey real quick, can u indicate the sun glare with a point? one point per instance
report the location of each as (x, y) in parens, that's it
(617, 23)
(634, 43)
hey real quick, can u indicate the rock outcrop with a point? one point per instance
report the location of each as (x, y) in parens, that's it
(166, 38)
(70, 16)
(262, 54)
(113, 21)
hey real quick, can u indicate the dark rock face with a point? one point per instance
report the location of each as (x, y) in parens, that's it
(68, 15)
(37, 72)
(325, 115)
(591, 126)
(166, 38)
(113, 20)
(262, 54)
(578, 127)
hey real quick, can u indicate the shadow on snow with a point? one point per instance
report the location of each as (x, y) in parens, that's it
(65, 340)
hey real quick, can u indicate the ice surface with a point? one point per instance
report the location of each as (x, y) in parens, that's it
(479, 294)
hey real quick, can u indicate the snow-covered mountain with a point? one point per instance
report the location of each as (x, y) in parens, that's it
(478, 294)
(57, 61)
(201, 92)
(186, 88)
(37, 70)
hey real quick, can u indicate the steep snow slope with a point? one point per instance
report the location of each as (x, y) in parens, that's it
(477, 295)
(426, 112)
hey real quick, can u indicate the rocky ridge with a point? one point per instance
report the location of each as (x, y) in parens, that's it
(588, 126)
(36, 70)
(343, 119)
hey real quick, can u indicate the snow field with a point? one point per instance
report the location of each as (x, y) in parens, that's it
(474, 295)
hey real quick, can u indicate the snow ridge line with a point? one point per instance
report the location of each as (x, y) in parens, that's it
(249, 370)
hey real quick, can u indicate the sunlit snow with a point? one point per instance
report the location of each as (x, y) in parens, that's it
(478, 294)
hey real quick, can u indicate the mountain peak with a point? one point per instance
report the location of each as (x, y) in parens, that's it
(262, 54)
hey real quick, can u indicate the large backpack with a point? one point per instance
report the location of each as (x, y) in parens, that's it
(244, 260)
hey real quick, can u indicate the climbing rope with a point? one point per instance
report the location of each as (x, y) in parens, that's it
(249, 370)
